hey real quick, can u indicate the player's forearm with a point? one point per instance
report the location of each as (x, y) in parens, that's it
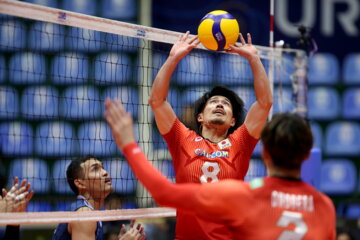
(261, 83)
(161, 84)
(163, 191)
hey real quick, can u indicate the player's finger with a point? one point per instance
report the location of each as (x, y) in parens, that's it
(122, 231)
(23, 183)
(249, 39)
(132, 223)
(142, 229)
(143, 236)
(16, 180)
(29, 196)
(242, 40)
(191, 40)
(195, 43)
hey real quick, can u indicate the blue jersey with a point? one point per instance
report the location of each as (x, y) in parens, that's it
(61, 232)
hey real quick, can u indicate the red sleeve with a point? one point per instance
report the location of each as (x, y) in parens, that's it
(245, 141)
(216, 201)
(163, 191)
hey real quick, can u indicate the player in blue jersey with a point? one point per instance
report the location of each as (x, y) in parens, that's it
(92, 184)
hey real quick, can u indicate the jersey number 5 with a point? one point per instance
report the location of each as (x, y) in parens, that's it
(295, 218)
(210, 171)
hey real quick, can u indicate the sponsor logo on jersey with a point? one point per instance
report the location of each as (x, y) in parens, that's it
(216, 154)
(224, 144)
(198, 139)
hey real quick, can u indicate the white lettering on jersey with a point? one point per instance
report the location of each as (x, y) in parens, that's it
(297, 202)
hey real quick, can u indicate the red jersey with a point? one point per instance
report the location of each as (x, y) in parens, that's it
(265, 208)
(199, 160)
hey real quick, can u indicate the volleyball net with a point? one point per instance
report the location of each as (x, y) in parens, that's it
(57, 68)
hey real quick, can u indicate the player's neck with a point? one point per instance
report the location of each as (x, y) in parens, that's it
(95, 202)
(214, 134)
(281, 173)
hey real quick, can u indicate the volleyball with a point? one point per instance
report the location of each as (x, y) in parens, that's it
(217, 30)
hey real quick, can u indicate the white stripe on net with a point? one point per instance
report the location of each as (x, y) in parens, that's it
(59, 16)
(104, 215)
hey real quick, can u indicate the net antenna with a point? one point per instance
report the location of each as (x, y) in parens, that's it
(195, 74)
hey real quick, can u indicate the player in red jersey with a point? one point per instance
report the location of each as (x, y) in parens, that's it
(280, 206)
(219, 148)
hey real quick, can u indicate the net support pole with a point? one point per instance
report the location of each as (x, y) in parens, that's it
(145, 119)
(272, 57)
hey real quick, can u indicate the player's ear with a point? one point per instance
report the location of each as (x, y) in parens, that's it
(79, 184)
(232, 122)
(200, 118)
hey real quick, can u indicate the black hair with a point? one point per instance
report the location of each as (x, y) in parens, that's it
(237, 104)
(288, 140)
(75, 171)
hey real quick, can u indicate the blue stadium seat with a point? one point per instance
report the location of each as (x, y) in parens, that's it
(47, 37)
(95, 138)
(158, 60)
(351, 104)
(175, 100)
(3, 69)
(112, 68)
(122, 178)
(232, 70)
(338, 176)
(55, 139)
(256, 170)
(12, 35)
(195, 69)
(257, 150)
(34, 170)
(40, 103)
(16, 139)
(351, 71)
(48, 3)
(63, 205)
(9, 103)
(323, 69)
(166, 167)
(70, 68)
(27, 68)
(61, 185)
(39, 206)
(127, 95)
(82, 39)
(311, 168)
(157, 140)
(283, 100)
(247, 94)
(352, 211)
(114, 42)
(317, 134)
(119, 9)
(191, 94)
(81, 6)
(323, 103)
(81, 102)
(342, 139)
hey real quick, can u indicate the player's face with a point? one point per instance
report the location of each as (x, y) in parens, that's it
(218, 110)
(96, 178)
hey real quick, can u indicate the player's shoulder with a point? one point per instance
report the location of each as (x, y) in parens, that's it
(83, 209)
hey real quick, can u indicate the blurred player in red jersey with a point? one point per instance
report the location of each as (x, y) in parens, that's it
(280, 206)
(223, 142)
